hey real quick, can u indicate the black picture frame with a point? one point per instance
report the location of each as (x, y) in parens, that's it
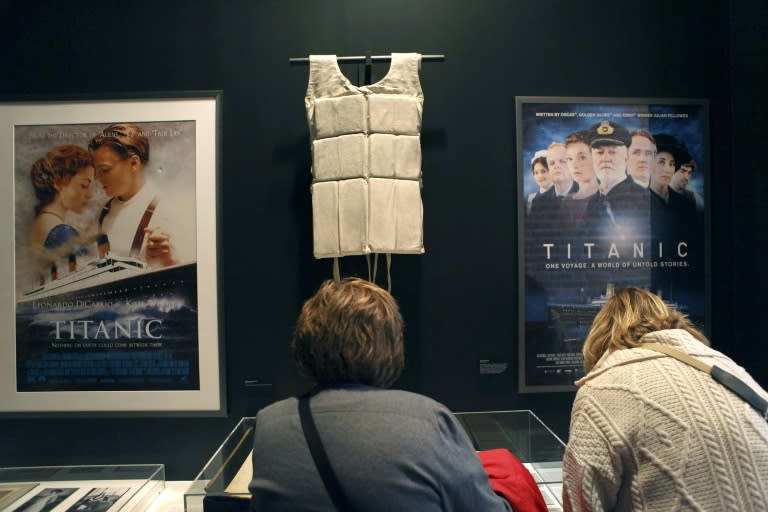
(561, 289)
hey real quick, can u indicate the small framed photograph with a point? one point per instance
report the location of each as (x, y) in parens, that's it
(9, 493)
(110, 286)
(47, 499)
(98, 499)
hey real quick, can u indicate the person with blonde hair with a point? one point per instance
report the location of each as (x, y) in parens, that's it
(651, 432)
(385, 449)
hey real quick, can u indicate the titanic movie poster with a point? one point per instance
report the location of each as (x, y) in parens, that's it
(612, 194)
(105, 256)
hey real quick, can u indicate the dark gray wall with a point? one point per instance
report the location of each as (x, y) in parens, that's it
(741, 227)
(460, 299)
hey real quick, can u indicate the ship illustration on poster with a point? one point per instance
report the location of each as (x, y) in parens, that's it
(573, 320)
(114, 324)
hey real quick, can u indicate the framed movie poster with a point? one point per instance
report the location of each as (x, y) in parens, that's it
(613, 193)
(109, 271)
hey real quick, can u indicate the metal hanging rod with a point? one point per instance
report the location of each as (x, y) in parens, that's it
(362, 59)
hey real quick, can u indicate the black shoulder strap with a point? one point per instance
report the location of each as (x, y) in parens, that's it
(741, 389)
(330, 481)
(730, 381)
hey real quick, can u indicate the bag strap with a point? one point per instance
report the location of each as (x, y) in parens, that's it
(730, 381)
(679, 355)
(320, 457)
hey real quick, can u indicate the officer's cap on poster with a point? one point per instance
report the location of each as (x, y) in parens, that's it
(606, 133)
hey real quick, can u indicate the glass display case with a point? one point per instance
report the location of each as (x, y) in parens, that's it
(114, 488)
(526, 436)
(222, 485)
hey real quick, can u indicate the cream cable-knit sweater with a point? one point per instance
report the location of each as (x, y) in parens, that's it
(649, 432)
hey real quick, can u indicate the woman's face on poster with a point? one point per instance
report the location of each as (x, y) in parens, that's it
(541, 175)
(580, 162)
(76, 194)
(664, 168)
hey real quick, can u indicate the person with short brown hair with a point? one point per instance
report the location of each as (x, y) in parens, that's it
(650, 432)
(350, 332)
(389, 449)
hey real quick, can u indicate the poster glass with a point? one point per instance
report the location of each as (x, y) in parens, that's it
(109, 282)
(613, 194)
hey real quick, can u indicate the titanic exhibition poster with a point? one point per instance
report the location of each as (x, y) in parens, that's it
(105, 256)
(612, 194)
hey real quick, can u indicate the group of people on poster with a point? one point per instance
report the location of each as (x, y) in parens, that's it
(131, 214)
(613, 198)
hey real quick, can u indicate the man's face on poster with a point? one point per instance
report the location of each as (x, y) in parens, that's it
(641, 158)
(558, 164)
(115, 174)
(609, 162)
(681, 178)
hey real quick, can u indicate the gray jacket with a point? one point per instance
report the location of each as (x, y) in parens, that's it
(391, 450)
